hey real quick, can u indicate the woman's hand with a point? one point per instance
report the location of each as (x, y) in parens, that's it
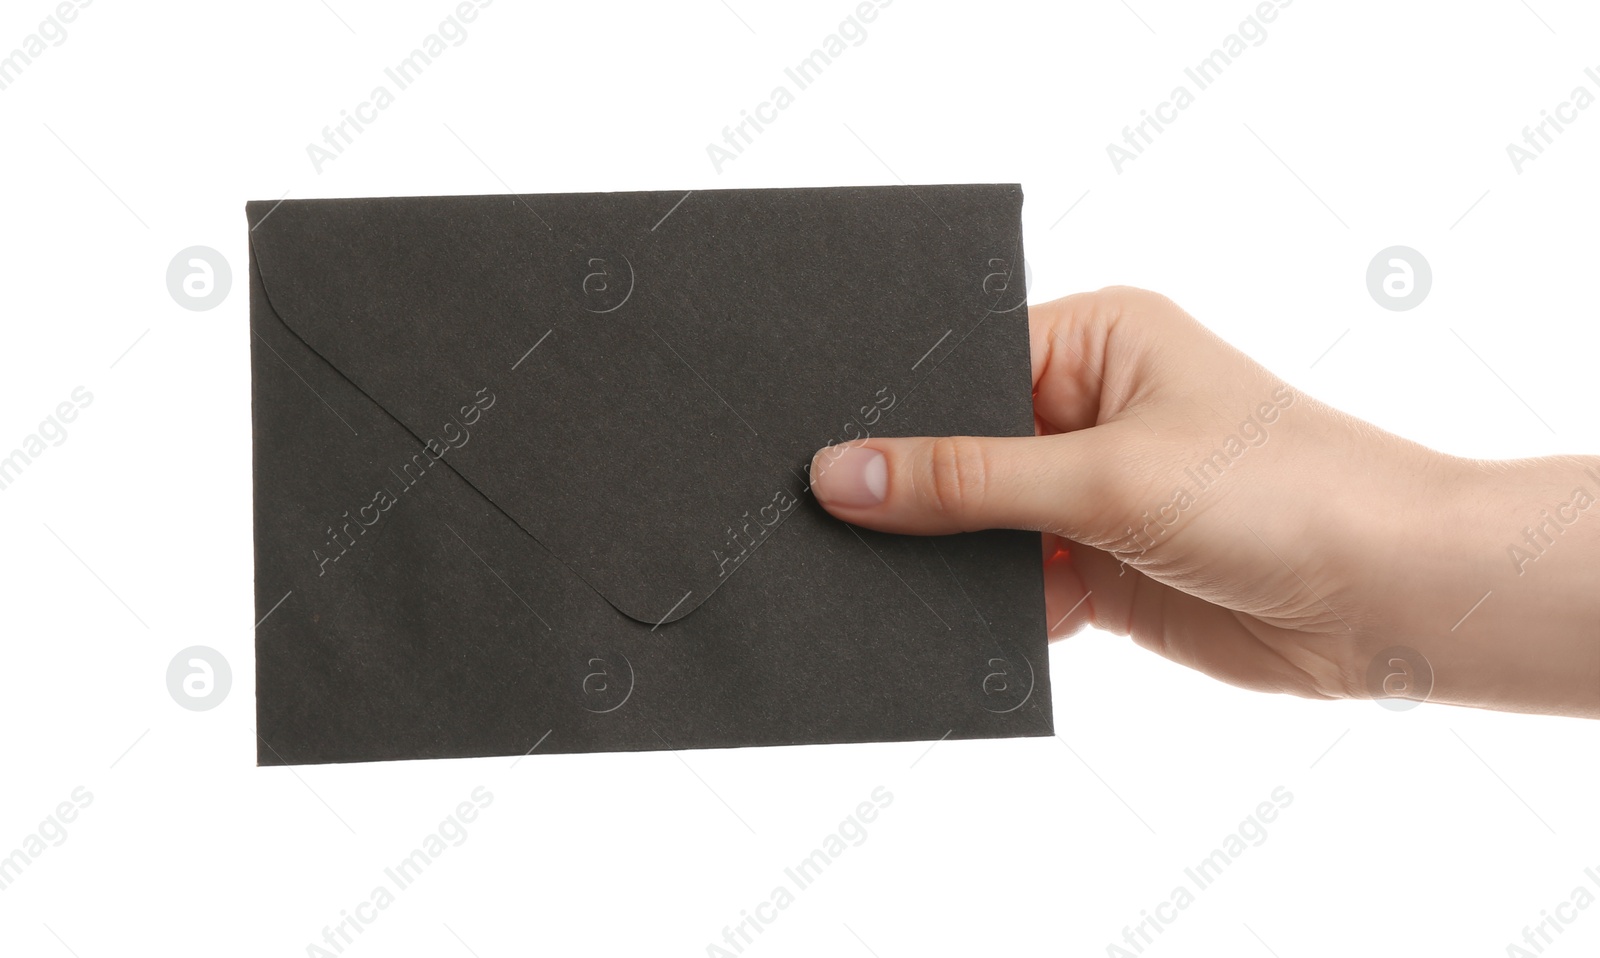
(1195, 501)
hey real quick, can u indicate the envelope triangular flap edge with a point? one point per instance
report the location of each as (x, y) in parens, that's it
(652, 383)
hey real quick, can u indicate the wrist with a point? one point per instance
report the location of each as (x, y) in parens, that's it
(1497, 585)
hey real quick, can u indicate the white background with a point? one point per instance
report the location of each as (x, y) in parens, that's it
(1433, 831)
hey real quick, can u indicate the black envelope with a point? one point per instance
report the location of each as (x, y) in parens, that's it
(530, 472)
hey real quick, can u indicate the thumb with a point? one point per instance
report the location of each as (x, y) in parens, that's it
(933, 486)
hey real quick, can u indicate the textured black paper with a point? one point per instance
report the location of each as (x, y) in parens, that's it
(530, 471)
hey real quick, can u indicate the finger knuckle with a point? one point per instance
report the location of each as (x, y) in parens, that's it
(959, 474)
(1136, 299)
(1143, 308)
(1344, 674)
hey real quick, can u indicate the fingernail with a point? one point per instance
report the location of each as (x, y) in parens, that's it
(854, 476)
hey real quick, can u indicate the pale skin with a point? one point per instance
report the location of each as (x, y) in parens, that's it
(1284, 562)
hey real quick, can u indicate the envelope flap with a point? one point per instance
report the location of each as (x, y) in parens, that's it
(660, 365)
